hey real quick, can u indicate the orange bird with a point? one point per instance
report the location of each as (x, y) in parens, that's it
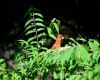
(57, 43)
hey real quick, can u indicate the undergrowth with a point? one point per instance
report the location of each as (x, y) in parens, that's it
(77, 60)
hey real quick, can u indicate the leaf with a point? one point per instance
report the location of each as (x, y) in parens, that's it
(42, 41)
(56, 59)
(41, 35)
(30, 32)
(56, 27)
(2, 60)
(72, 77)
(82, 53)
(66, 55)
(95, 54)
(29, 27)
(33, 42)
(39, 15)
(31, 39)
(5, 77)
(49, 30)
(62, 75)
(55, 75)
(53, 20)
(40, 29)
(39, 24)
(28, 22)
(23, 42)
(93, 44)
(39, 19)
(53, 36)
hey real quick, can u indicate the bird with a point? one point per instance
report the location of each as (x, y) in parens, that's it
(57, 43)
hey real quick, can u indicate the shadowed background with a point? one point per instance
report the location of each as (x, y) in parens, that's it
(12, 13)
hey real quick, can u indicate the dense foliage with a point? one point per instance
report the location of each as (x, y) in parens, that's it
(77, 60)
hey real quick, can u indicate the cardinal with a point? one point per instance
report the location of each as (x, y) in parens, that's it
(57, 43)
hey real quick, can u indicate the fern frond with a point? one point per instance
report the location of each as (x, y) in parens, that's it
(39, 25)
(39, 15)
(39, 20)
(29, 32)
(29, 27)
(29, 22)
(31, 39)
(40, 29)
(42, 35)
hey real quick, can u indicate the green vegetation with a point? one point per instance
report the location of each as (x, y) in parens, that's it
(77, 60)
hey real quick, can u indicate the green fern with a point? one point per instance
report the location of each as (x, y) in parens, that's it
(35, 29)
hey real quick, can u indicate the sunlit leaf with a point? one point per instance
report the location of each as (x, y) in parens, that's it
(30, 32)
(40, 29)
(56, 27)
(39, 19)
(49, 30)
(5, 77)
(39, 24)
(62, 75)
(53, 36)
(41, 35)
(28, 22)
(38, 14)
(2, 60)
(93, 44)
(55, 75)
(29, 27)
(31, 39)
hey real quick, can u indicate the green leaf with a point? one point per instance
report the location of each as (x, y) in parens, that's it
(82, 53)
(33, 42)
(49, 30)
(56, 59)
(72, 77)
(41, 35)
(90, 75)
(30, 32)
(39, 19)
(95, 54)
(62, 75)
(31, 39)
(53, 36)
(29, 27)
(39, 15)
(66, 55)
(53, 20)
(2, 60)
(23, 42)
(28, 22)
(55, 75)
(40, 29)
(5, 77)
(93, 44)
(42, 41)
(56, 27)
(39, 24)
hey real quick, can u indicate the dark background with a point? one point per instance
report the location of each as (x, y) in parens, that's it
(12, 14)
